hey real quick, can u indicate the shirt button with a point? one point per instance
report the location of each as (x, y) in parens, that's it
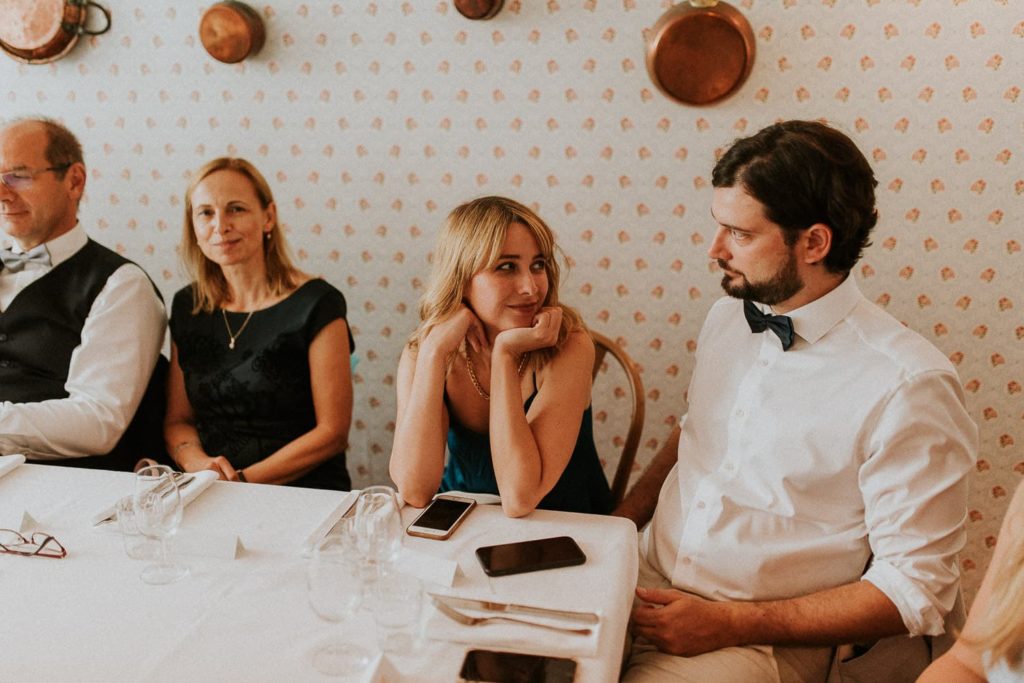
(739, 412)
(700, 505)
(729, 467)
(687, 561)
(764, 362)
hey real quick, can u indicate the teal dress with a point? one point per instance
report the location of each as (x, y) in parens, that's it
(582, 487)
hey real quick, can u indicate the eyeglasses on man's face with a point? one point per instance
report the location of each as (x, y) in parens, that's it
(22, 178)
(39, 544)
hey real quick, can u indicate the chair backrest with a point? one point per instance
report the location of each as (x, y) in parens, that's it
(603, 347)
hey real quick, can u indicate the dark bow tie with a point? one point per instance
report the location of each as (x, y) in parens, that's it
(781, 325)
(16, 261)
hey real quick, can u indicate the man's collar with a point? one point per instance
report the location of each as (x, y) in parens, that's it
(61, 248)
(813, 320)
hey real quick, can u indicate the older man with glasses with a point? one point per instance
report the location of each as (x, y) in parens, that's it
(80, 326)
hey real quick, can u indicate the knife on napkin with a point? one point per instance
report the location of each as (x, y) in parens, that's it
(189, 486)
(499, 607)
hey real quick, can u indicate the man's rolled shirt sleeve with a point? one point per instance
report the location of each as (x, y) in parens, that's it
(914, 485)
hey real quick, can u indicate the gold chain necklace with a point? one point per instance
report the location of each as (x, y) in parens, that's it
(476, 382)
(232, 336)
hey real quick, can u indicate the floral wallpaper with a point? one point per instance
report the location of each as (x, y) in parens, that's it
(372, 119)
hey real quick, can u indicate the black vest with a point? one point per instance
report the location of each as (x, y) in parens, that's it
(43, 326)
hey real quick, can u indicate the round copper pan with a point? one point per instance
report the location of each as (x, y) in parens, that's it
(231, 31)
(41, 31)
(698, 55)
(478, 9)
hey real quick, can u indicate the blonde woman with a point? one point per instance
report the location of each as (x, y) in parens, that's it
(992, 645)
(260, 388)
(499, 371)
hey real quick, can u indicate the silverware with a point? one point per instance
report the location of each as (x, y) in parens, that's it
(182, 484)
(179, 478)
(467, 620)
(582, 617)
(348, 514)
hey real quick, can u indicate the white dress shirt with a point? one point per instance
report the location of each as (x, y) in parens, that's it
(795, 467)
(109, 370)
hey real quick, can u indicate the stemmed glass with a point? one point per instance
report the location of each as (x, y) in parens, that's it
(378, 529)
(335, 592)
(158, 511)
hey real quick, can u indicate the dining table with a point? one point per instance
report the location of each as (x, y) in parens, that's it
(242, 613)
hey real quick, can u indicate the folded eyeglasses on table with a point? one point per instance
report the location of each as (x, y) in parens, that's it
(39, 544)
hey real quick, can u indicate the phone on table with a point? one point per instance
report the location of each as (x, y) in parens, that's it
(530, 556)
(490, 666)
(440, 519)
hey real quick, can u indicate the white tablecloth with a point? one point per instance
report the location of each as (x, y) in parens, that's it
(89, 617)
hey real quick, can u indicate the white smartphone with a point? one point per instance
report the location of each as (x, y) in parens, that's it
(439, 519)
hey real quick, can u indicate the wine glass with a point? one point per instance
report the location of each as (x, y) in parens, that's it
(335, 591)
(396, 602)
(158, 511)
(378, 528)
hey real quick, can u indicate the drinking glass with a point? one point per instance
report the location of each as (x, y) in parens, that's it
(158, 511)
(136, 546)
(378, 528)
(396, 604)
(335, 591)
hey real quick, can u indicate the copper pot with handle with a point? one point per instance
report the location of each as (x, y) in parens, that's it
(700, 51)
(42, 31)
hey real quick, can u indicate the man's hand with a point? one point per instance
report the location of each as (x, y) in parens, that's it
(682, 624)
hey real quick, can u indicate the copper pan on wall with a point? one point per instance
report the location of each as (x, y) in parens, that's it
(478, 9)
(231, 31)
(700, 51)
(42, 31)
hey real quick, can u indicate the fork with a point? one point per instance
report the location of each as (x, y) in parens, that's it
(468, 620)
(180, 479)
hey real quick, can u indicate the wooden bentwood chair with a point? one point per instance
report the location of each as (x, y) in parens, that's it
(604, 346)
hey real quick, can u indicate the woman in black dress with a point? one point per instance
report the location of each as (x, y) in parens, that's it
(260, 387)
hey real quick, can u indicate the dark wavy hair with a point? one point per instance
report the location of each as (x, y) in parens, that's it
(805, 172)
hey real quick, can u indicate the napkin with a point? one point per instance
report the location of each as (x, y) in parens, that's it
(346, 506)
(9, 462)
(480, 498)
(514, 636)
(191, 492)
(427, 567)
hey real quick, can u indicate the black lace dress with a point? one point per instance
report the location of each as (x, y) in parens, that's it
(252, 400)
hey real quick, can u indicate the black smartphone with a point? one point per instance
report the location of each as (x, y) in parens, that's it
(489, 666)
(439, 519)
(530, 556)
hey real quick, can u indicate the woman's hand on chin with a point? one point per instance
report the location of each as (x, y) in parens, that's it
(446, 337)
(541, 335)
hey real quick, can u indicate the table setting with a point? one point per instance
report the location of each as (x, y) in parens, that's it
(258, 613)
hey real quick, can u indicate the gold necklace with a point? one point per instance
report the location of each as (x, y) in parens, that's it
(232, 336)
(476, 382)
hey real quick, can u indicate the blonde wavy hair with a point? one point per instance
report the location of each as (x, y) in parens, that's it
(1001, 632)
(210, 289)
(471, 241)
